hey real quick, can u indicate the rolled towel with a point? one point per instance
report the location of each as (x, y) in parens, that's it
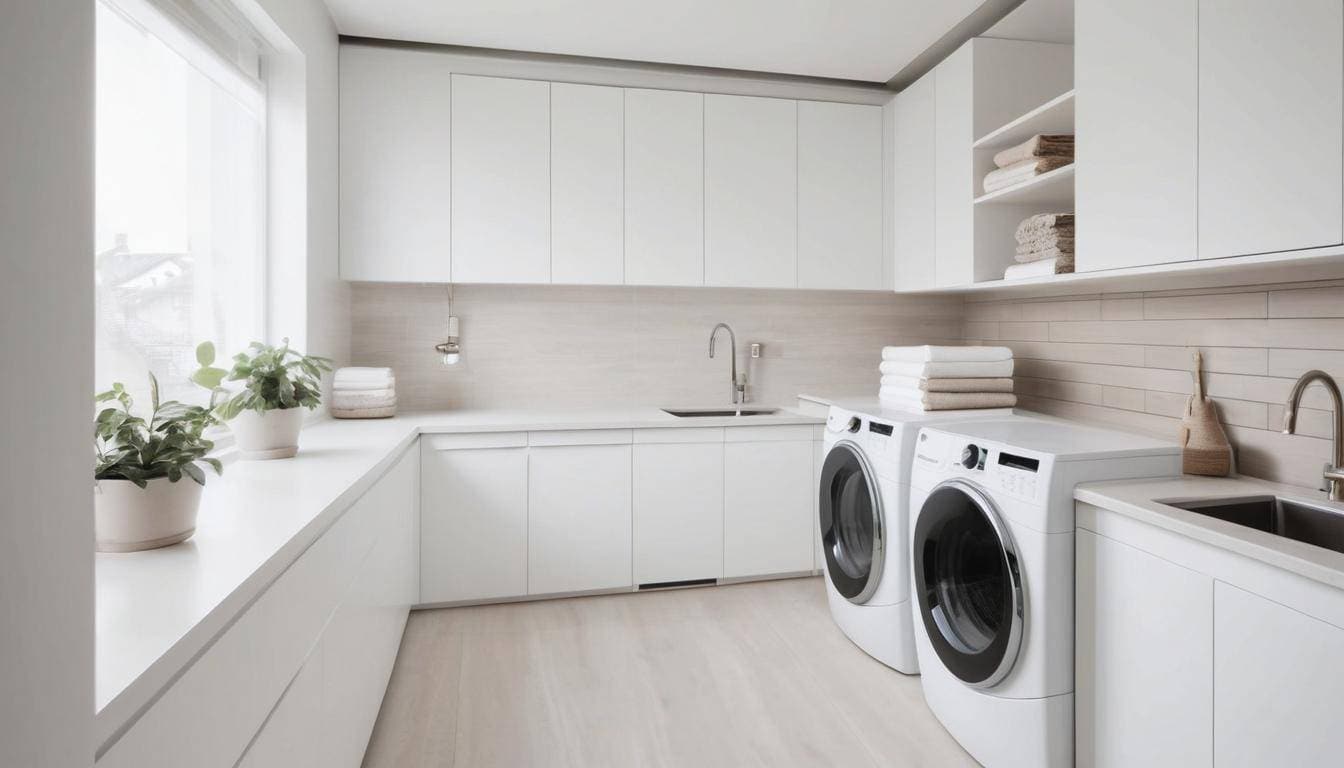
(1040, 145)
(1042, 224)
(937, 369)
(930, 353)
(1014, 174)
(1003, 384)
(948, 401)
(1042, 267)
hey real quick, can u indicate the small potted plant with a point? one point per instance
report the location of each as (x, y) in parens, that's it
(278, 385)
(147, 474)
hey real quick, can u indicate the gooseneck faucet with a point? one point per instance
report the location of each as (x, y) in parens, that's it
(1334, 471)
(739, 385)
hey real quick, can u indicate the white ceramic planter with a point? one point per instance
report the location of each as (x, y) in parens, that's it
(128, 518)
(268, 435)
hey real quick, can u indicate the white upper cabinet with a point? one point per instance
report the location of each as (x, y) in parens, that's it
(1271, 126)
(1137, 127)
(912, 196)
(954, 183)
(840, 196)
(751, 192)
(587, 184)
(395, 165)
(664, 188)
(501, 180)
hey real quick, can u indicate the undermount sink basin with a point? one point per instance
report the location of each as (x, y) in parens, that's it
(1321, 525)
(694, 412)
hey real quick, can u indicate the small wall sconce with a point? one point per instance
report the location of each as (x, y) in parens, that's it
(451, 349)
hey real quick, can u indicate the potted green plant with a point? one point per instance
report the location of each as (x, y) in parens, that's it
(147, 473)
(277, 385)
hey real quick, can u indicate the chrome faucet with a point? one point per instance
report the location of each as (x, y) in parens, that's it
(1334, 472)
(739, 383)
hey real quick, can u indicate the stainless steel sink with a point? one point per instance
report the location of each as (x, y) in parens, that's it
(694, 412)
(1321, 525)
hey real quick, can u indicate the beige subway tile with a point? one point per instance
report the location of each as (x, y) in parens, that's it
(1016, 331)
(981, 331)
(1113, 375)
(1111, 354)
(1159, 426)
(1062, 310)
(1208, 306)
(1312, 422)
(1121, 309)
(1292, 459)
(1224, 333)
(1291, 363)
(1318, 333)
(1307, 302)
(1123, 397)
(1220, 359)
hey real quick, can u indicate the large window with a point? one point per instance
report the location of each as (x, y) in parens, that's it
(180, 199)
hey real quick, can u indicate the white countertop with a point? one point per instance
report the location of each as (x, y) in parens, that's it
(1138, 499)
(157, 610)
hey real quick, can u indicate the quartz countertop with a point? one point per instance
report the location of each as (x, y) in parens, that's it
(1139, 499)
(157, 610)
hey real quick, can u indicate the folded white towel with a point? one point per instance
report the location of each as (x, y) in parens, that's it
(929, 353)
(946, 401)
(362, 399)
(937, 369)
(380, 386)
(362, 375)
(1038, 269)
(977, 384)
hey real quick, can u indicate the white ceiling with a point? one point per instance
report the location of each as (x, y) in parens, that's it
(850, 39)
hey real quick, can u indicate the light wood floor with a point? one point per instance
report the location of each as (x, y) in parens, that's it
(744, 675)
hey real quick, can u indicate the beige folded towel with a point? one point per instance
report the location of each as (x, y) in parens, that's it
(1001, 384)
(948, 401)
(1038, 268)
(1020, 172)
(1041, 145)
(1045, 248)
(1043, 224)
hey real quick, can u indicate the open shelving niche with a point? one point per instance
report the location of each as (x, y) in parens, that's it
(998, 213)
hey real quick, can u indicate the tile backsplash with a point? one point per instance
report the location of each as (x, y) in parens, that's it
(1124, 359)
(556, 346)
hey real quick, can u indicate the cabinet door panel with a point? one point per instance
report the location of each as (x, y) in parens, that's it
(587, 181)
(473, 524)
(1136, 124)
(839, 196)
(578, 518)
(664, 188)
(1277, 678)
(678, 512)
(1144, 669)
(751, 192)
(954, 182)
(501, 180)
(767, 508)
(913, 196)
(1271, 126)
(291, 735)
(395, 166)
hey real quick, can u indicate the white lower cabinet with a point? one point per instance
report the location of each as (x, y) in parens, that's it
(578, 515)
(767, 507)
(1144, 679)
(298, 678)
(473, 519)
(1277, 677)
(678, 505)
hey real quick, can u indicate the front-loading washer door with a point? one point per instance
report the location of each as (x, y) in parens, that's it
(968, 583)
(851, 522)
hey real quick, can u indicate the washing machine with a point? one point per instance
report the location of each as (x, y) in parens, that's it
(992, 536)
(864, 525)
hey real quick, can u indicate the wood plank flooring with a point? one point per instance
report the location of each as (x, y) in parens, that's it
(743, 675)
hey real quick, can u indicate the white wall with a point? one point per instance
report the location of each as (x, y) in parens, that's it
(310, 304)
(46, 383)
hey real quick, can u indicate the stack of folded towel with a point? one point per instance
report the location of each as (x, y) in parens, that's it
(363, 393)
(947, 378)
(1044, 246)
(1037, 155)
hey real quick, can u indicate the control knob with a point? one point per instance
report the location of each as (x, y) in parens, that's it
(970, 456)
(854, 423)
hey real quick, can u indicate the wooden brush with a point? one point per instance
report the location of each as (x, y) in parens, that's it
(1206, 450)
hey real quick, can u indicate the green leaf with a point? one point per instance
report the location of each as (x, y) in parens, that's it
(208, 377)
(194, 472)
(205, 353)
(153, 393)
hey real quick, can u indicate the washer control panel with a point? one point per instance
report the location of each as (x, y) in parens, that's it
(1009, 471)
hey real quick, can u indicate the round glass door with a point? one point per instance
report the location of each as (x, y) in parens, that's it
(851, 522)
(968, 584)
